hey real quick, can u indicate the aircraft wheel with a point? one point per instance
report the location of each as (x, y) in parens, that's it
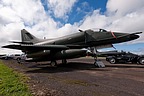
(53, 63)
(64, 61)
(112, 60)
(141, 61)
(19, 60)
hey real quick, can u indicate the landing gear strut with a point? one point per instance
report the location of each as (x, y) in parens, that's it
(97, 62)
(64, 61)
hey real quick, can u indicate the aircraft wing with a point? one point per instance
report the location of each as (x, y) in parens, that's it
(36, 47)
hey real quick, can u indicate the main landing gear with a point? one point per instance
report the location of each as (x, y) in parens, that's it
(53, 63)
(64, 61)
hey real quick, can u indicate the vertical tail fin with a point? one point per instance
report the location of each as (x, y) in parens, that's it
(27, 37)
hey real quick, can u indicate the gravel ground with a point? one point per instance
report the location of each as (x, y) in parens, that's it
(80, 78)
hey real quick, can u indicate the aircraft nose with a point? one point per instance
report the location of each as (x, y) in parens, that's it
(133, 36)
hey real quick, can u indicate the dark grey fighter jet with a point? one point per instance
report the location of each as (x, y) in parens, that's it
(67, 47)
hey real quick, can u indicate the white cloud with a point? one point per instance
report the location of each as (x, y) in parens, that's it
(29, 12)
(67, 29)
(140, 51)
(95, 20)
(61, 8)
(123, 7)
(30, 15)
(17, 15)
(121, 15)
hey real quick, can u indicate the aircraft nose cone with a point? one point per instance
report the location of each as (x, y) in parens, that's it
(133, 36)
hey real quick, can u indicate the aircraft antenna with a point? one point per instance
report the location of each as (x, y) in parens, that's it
(80, 30)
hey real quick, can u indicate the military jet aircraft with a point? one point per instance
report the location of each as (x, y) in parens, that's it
(67, 47)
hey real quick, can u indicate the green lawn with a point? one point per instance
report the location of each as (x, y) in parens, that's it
(12, 83)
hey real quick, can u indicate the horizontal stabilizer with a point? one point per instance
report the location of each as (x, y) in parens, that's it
(13, 47)
(24, 42)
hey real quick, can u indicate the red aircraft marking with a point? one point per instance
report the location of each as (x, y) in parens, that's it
(113, 35)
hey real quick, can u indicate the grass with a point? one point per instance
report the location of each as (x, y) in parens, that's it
(12, 83)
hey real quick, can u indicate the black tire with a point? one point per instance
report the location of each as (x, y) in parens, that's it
(18, 59)
(112, 60)
(53, 63)
(141, 61)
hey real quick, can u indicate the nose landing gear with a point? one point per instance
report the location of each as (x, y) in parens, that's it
(97, 62)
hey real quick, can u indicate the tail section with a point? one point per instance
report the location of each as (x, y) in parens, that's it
(27, 37)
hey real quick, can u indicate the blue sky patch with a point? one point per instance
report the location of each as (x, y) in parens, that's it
(81, 9)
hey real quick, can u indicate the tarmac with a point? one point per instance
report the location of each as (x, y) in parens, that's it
(80, 78)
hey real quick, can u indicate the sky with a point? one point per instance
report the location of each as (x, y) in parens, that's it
(55, 18)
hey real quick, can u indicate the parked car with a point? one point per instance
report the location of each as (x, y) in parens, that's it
(19, 56)
(6, 57)
(16, 56)
(125, 58)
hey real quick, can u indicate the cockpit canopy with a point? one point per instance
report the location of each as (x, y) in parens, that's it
(102, 30)
(98, 30)
(95, 30)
